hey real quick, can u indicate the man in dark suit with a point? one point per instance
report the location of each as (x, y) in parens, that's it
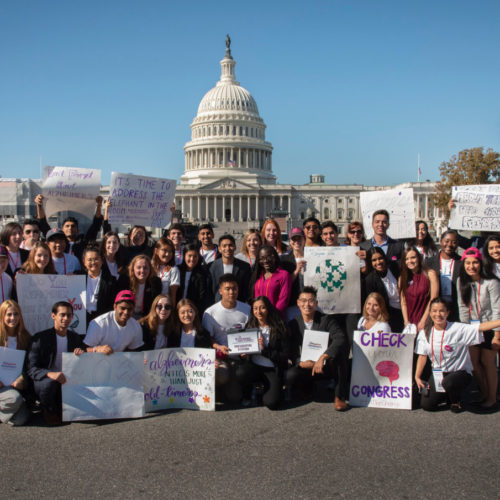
(332, 363)
(45, 360)
(392, 248)
(229, 264)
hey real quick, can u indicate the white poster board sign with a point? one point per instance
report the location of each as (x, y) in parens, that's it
(103, 387)
(381, 370)
(179, 378)
(477, 208)
(11, 364)
(140, 200)
(314, 344)
(37, 293)
(334, 272)
(400, 206)
(69, 188)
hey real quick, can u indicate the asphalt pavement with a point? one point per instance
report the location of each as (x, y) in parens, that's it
(306, 451)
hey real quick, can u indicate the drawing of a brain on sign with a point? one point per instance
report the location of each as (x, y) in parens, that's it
(334, 272)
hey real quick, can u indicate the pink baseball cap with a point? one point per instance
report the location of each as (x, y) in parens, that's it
(125, 295)
(472, 252)
(296, 231)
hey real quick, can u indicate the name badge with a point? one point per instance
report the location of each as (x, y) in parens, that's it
(475, 322)
(438, 379)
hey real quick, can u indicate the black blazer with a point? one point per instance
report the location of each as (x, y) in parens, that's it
(201, 338)
(23, 254)
(199, 287)
(152, 288)
(241, 271)
(337, 341)
(394, 248)
(372, 282)
(433, 263)
(280, 350)
(149, 338)
(105, 295)
(44, 349)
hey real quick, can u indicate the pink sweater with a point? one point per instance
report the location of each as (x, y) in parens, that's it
(277, 289)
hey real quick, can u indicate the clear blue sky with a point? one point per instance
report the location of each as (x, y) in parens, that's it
(354, 89)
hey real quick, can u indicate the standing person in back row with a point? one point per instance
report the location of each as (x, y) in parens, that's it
(380, 224)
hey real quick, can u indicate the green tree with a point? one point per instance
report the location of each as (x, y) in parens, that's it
(470, 166)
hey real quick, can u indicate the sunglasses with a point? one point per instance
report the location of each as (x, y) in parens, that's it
(167, 307)
(356, 232)
(311, 227)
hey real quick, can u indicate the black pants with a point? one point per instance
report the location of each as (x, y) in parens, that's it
(454, 384)
(48, 392)
(336, 368)
(248, 372)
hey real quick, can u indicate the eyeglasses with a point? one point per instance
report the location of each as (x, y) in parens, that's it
(311, 302)
(34, 231)
(356, 232)
(167, 307)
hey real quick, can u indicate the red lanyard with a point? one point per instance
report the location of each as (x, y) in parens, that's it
(477, 303)
(432, 347)
(451, 266)
(207, 253)
(16, 262)
(163, 272)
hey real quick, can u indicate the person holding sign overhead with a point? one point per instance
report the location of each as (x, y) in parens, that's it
(276, 353)
(479, 301)
(13, 335)
(447, 345)
(332, 363)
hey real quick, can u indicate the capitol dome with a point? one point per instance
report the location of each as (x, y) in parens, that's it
(228, 135)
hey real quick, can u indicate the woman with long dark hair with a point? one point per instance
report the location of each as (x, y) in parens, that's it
(478, 301)
(164, 266)
(276, 347)
(11, 237)
(195, 279)
(113, 254)
(158, 325)
(447, 345)
(418, 285)
(491, 256)
(382, 278)
(270, 280)
(188, 331)
(423, 241)
(13, 335)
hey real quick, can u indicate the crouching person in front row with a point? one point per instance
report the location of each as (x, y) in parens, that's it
(333, 361)
(45, 360)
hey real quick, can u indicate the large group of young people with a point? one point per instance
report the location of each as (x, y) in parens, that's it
(144, 295)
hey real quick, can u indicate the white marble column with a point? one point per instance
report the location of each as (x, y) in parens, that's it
(232, 208)
(240, 215)
(257, 208)
(182, 207)
(248, 208)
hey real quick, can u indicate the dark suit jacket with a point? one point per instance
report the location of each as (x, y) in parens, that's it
(241, 271)
(337, 342)
(199, 287)
(394, 248)
(372, 282)
(106, 294)
(433, 263)
(44, 349)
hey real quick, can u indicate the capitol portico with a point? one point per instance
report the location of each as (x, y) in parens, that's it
(228, 178)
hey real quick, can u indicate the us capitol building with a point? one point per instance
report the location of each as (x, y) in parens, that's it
(228, 178)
